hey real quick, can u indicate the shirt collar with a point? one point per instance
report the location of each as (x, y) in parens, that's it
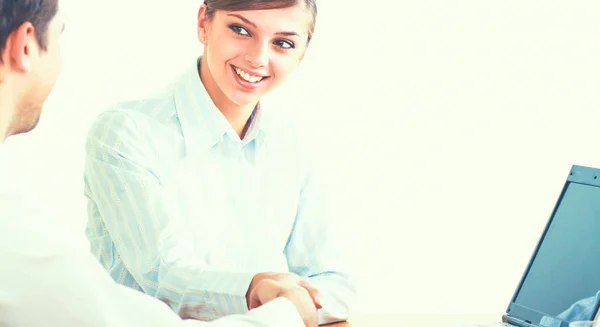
(202, 124)
(258, 124)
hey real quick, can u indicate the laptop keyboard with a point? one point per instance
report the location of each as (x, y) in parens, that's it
(498, 324)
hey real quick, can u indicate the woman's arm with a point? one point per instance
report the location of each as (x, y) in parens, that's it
(148, 230)
(314, 253)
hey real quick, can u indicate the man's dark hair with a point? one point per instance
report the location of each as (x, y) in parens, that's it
(13, 13)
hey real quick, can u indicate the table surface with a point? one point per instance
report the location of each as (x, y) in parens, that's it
(432, 320)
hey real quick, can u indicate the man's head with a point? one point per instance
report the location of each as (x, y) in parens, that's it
(29, 61)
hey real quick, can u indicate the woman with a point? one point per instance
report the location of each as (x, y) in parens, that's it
(197, 195)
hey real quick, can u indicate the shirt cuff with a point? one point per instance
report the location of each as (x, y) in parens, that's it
(277, 313)
(325, 318)
(232, 286)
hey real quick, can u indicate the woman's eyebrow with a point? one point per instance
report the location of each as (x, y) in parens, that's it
(247, 21)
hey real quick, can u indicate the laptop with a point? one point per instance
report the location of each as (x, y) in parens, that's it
(563, 274)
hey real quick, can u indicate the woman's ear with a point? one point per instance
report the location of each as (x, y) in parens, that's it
(202, 24)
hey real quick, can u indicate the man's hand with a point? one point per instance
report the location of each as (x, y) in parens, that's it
(304, 304)
(269, 289)
(284, 281)
(268, 286)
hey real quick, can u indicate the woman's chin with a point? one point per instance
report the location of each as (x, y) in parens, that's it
(243, 99)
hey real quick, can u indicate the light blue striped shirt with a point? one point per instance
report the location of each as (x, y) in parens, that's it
(182, 209)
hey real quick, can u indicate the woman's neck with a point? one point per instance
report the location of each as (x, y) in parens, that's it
(237, 116)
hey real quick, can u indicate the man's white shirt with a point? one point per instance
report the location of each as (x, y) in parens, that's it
(48, 276)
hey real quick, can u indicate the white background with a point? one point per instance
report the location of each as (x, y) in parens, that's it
(447, 127)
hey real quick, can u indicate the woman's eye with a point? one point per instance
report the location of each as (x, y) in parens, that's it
(285, 44)
(239, 30)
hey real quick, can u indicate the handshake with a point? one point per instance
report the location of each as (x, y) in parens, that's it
(269, 286)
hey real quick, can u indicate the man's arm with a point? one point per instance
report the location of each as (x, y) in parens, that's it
(149, 233)
(118, 305)
(51, 279)
(313, 252)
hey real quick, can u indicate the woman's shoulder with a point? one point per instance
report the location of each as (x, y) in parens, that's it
(143, 113)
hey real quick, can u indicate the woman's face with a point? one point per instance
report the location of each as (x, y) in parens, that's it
(251, 52)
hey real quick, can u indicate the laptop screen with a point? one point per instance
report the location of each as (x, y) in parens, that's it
(563, 278)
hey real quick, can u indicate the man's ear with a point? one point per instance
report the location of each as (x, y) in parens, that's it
(202, 23)
(20, 46)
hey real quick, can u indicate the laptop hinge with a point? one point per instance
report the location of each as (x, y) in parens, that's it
(516, 322)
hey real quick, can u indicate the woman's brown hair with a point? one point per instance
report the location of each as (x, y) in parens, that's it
(240, 5)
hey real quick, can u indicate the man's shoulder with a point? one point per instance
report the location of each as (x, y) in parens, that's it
(47, 267)
(28, 209)
(31, 227)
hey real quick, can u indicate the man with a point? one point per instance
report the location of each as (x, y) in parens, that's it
(47, 278)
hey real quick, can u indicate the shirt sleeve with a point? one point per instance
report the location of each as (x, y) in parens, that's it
(122, 306)
(51, 279)
(314, 251)
(146, 227)
(581, 310)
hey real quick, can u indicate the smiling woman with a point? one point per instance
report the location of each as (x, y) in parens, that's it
(250, 47)
(203, 198)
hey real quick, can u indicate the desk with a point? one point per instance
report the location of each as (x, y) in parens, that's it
(433, 320)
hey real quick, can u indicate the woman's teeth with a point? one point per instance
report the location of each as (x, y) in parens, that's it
(248, 77)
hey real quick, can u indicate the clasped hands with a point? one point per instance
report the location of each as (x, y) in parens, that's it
(269, 286)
